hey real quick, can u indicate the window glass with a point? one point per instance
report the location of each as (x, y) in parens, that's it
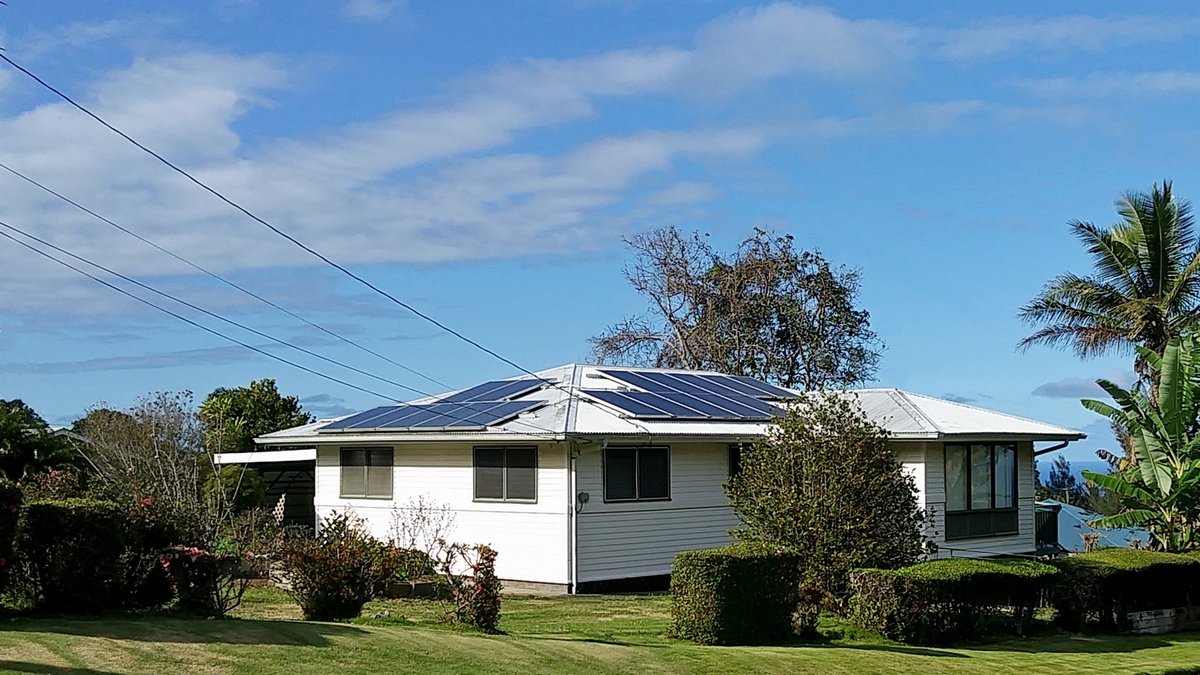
(1005, 476)
(489, 473)
(735, 460)
(620, 473)
(981, 476)
(956, 478)
(366, 472)
(654, 473)
(521, 474)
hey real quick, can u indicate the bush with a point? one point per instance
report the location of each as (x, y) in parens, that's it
(334, 574)
(1100, 588)
(71, 552)
(235, 488)
(947, 600)
(10, 505)
(476, 595)
(739, 594)
(144, 583)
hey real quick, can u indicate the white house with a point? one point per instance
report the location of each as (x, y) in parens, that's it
(586, 478)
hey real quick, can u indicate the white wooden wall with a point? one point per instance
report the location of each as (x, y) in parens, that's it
(531, 539)
(632, 539)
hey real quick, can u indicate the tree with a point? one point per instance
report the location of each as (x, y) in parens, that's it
(823, 482)
(27, 443)
(235, 416)
(1061, 484)
(1160, 488)
(768, 311)
(1144, 288)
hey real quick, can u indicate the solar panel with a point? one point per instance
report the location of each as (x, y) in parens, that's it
(693, 383)
(439, 415)
(677, 405)
(497, 390)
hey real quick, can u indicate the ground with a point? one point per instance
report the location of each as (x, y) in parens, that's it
(542, 635)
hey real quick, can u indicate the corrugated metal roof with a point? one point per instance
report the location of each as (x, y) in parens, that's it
(904, 415)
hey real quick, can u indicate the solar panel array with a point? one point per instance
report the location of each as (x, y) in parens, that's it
(479, 407)
(691, 396)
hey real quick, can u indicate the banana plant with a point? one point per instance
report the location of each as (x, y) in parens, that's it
(1160, 488)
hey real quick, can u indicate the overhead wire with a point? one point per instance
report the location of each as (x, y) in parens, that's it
(218, 277)
(196, 324)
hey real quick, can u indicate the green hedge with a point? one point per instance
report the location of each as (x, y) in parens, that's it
(738, 594)
(946, 600)
(10, 504)
(72, 550)
(1098, 589)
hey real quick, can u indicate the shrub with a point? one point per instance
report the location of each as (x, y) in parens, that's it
(71, 551)
(1100, 588)
(739, 594)
(10, 505)
(946, 600)
(235, 488)
(144, 583)
(476, 595)
(334, 574)
(825, 483)
(412, 564)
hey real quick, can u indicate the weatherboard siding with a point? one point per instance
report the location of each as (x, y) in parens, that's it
(935, 493)
(619, 540)
(530, 538)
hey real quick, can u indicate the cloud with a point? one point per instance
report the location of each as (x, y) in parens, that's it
(325, 406)
(1088, 34)
(1080, 387)
(208, 356)
(958, 399)
(1106, 85)
(370, 9)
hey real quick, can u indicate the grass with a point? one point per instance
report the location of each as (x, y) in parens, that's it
(542, 635)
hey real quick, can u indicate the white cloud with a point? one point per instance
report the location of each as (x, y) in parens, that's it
(370, 9)
(1061, 34)
(1121, 85)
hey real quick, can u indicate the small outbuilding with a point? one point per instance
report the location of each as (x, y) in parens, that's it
(590, 478)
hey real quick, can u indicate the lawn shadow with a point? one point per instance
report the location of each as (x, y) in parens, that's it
(192, 631)
(1067, 643)
(43, 669)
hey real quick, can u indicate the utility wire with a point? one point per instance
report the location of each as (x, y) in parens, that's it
(202, 327)
(218, 277)
(206, 328)
(268, 225)
(206, 312)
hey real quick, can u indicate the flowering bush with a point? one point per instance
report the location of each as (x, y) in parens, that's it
(71, 552)
(476, 595)
(146, 532)
(206, 583)
(332, 575)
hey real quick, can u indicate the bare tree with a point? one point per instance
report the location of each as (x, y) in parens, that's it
(768, 310)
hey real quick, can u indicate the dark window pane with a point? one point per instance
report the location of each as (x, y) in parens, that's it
(654, 473)
(981, 476)
(620, 473)
(956, 478)
(379, 457)
(735, 460)
(489, 473)
(1006, 480)
(354, 457)
(521, 474)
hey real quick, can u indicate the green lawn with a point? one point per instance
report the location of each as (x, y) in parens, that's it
(543, 635)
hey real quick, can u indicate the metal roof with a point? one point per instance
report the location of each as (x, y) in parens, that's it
(569, 412)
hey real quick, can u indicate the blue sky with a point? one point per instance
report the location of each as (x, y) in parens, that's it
(482, 161)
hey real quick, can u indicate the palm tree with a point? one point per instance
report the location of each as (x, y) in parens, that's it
(1144, 288)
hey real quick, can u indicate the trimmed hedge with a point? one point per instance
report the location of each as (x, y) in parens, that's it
(72, 550)
(739, 594)
(947, 600)
(10, 504)
(1100, 588)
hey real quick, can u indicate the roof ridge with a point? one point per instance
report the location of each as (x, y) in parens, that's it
(901, 397)
(988, 410)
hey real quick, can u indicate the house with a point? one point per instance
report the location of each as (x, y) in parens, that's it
(587, 478)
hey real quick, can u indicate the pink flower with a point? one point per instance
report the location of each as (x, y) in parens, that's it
(53, 473)
(13, 508)
(3, 562)
(146, 501)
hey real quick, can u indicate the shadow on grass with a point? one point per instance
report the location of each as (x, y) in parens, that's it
(168, 629)
(1066, 643)
(43, 669)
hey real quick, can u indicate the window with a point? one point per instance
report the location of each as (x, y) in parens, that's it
(637, 474)
(367, 472)
(735, 458)
(981, 490)
(506, 474)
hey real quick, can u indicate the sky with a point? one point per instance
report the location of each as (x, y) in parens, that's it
(482, 161)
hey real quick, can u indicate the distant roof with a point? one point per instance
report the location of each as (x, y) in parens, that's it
(561, 407)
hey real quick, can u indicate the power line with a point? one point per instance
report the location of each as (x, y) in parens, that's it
(218, 277)
(202, 327)
(206, 312)
(207, 329)
(266, 224)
